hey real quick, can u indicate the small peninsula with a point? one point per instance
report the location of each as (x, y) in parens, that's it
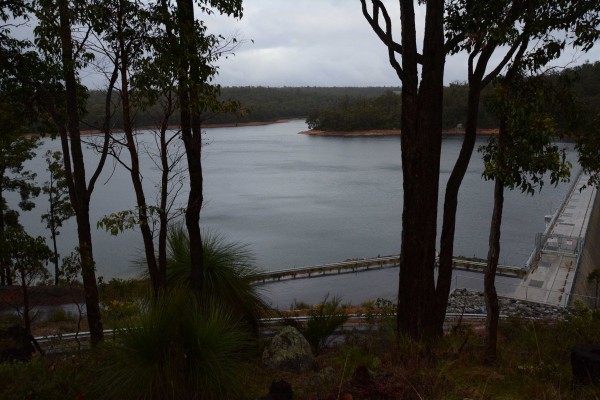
(390, 132)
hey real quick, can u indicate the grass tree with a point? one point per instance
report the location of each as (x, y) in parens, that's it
(229, 269)
(180, 348)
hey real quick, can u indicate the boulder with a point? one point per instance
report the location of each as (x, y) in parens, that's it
(288, 351)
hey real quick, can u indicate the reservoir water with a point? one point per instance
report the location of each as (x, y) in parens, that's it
(301, 200)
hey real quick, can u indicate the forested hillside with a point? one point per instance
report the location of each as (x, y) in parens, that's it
(381, 112)
(256, 104)
(344, 108)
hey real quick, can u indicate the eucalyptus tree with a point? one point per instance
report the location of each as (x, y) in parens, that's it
(190, 45)
(421, 140)
(143, 41)
(59, 206)
(58, 21)
(523, 156)
(484, 29)
(122, 29)
(511, 30)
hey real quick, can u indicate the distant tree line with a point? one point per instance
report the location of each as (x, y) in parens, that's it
(256, 104)
(381, 112)
(341, 108)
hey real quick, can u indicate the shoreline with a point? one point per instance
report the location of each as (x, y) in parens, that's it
(391, 132)
(205, 126)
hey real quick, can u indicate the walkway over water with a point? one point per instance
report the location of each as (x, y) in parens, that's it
(554, 262)
(368, 264)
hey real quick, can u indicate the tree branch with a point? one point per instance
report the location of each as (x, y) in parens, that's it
(385, 36)
(106, 129)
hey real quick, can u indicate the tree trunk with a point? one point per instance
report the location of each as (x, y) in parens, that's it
(26, 307)
(52, 224)
(444, 280)
(78, 191)
(489, 286)
(148, 239)
(4, 271)
(421, 140)
(189, 83)
(164, 193)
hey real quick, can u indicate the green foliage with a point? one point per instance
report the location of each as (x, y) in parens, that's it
(255, 104)
(15, 150)
(120, 221)
(382, 310)
(531, 107)
(60, 315)
(323, 320)
(121, 300)
(178, 349)
(60, 208)
(382, 112)
(26, 254)
(229, 269)
(57, 190)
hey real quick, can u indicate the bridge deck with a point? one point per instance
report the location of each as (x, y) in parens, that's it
(550, 279)
(369, 264)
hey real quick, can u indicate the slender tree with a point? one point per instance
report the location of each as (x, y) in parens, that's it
(59, 205)
(523, 156)
(55, 36)
(195, 95)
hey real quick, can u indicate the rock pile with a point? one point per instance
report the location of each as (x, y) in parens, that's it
(469, 302)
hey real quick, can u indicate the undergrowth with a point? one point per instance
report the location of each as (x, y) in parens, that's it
(534, 363)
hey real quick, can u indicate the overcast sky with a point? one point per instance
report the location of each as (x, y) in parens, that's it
(318, 43)
(314, 43)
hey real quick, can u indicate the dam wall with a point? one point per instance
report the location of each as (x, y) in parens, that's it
(589, 260)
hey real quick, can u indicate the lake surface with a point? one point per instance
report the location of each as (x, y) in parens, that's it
(300, 200)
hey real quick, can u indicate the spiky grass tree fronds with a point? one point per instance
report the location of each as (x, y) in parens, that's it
(229, 268)
(179, 349)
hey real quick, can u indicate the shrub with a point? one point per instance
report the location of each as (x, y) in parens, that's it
(229, 269)
(324, 319)
(179, 349)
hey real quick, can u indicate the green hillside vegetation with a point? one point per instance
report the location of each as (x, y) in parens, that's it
(342, 108)
(383, 112)
(257, 104)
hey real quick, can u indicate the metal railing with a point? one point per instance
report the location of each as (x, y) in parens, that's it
(368, 264)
